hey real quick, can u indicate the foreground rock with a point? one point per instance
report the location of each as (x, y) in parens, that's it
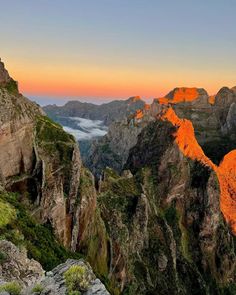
(16, 266)
(16, 269)
(55, 282)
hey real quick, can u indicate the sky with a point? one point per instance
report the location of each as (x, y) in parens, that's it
(106, 49)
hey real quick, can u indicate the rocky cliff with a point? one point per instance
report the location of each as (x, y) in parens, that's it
(168, 217)
(47, 198)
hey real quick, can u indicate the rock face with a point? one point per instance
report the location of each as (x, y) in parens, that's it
(4, 76)
(30, 160)
(16, 266)
(41, 160)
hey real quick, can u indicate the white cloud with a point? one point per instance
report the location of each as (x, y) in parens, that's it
(88, 129)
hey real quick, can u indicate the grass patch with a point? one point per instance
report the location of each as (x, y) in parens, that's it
(13, 288)
(7, 213)
(49, 131)
(37, 289)
(76, 278)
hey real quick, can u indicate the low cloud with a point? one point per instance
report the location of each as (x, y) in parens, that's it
(87, 129)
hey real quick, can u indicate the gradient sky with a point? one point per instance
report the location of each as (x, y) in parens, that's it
(118, 48)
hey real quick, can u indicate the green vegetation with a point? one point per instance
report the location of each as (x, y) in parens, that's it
(86, 180)
(54, 140)
(74, 293)
(76, 279)
(7, 213)
(38, 239)
(37, 289)
(11, 87)
(49, 131)
(109, 172)
(13, 288)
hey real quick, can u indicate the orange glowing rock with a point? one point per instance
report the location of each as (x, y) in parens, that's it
(163, 100)
(212, 99)
(139, 114)
(178, 95)
(185, 138)
(226, 172)
(227, 178)
(147, 107)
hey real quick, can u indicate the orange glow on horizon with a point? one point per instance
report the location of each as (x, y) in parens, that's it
(93, 81)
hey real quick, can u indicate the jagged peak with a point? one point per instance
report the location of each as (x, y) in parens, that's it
(234, 88)
(4, 75)
(6, 81)
(225, 96)
(225, 90)
(134, 98)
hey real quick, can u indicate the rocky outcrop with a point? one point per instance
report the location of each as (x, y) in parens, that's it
(195, 96)
(55, 282)
(16, 266)
(17, 269)
(4, 76)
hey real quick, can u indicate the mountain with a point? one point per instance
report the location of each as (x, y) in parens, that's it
(87, 121)
(214, 123)
(161, 222)
(106, 112)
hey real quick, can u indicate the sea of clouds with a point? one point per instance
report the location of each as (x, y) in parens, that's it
(87, 129)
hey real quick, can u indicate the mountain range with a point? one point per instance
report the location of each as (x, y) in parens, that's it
(151, 210)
